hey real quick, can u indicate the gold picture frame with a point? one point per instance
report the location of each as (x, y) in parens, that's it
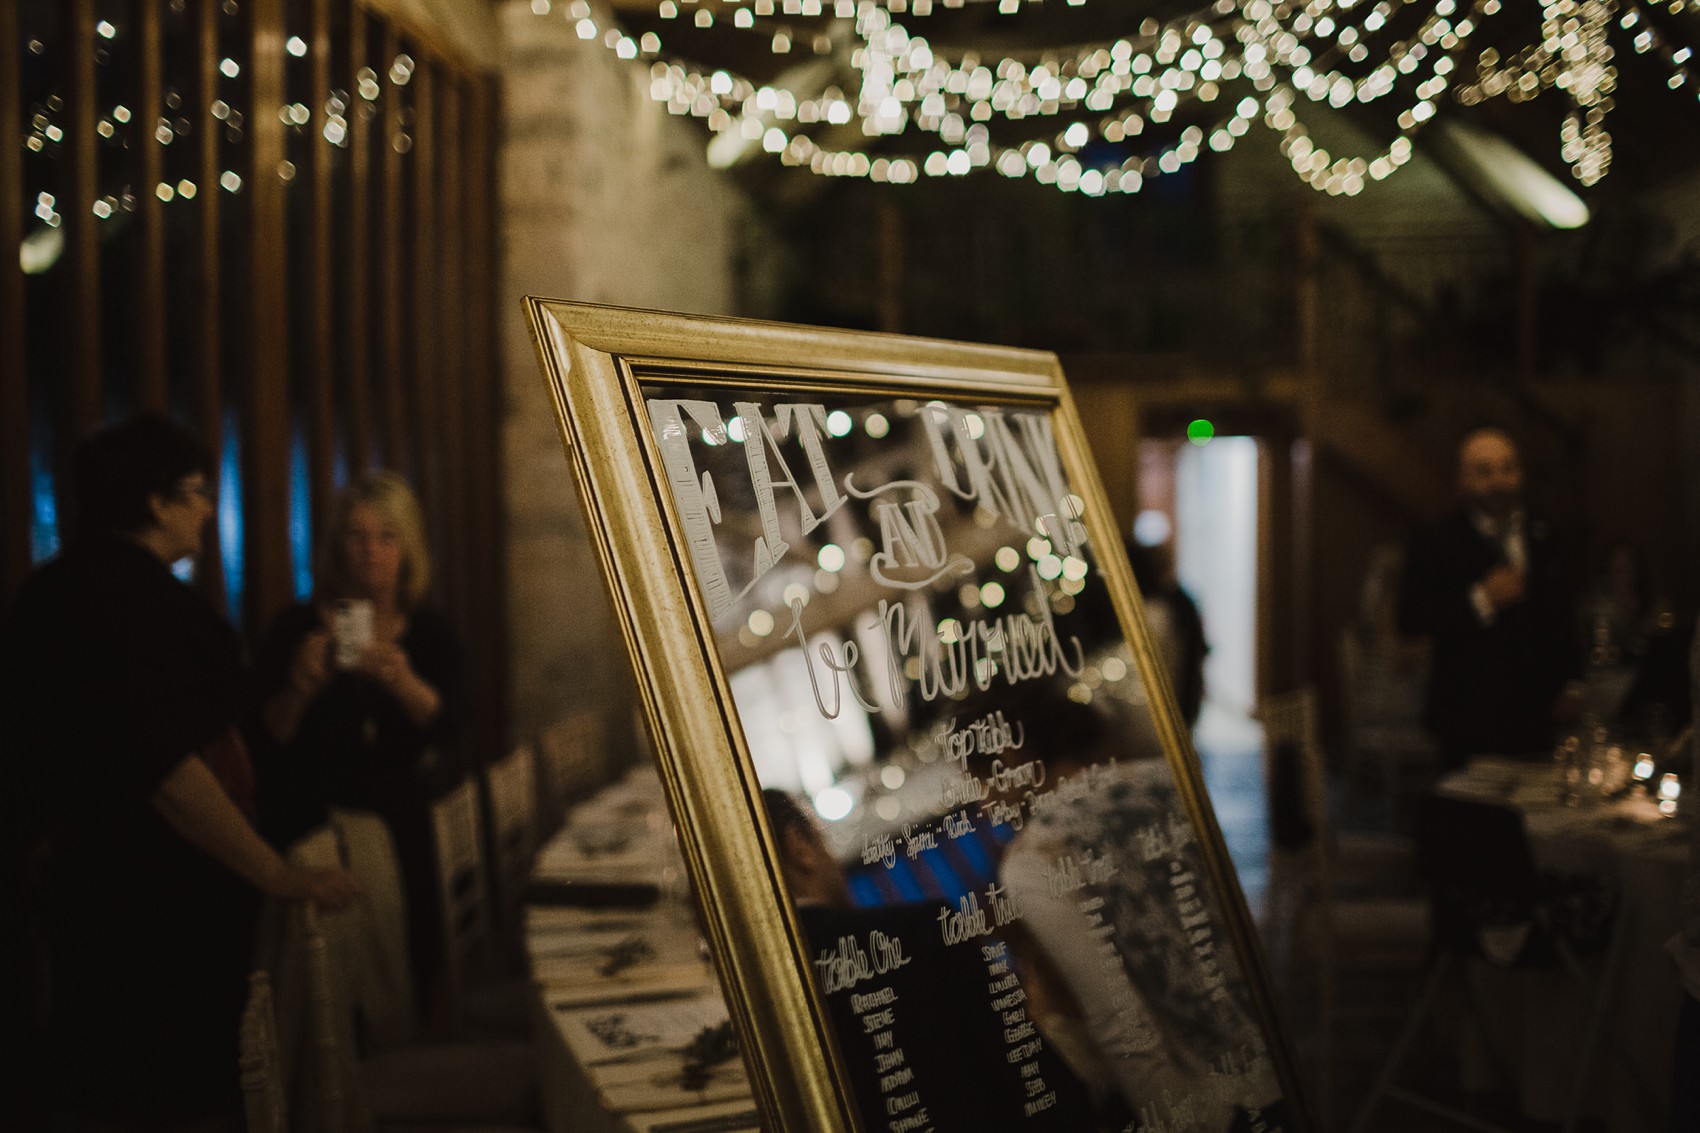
(647, 402)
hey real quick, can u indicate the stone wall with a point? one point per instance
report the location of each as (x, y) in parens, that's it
(604, 198)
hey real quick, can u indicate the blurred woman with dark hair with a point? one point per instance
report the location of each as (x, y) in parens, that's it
(130, 856)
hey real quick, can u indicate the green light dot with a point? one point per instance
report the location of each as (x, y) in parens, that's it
(1200, 431)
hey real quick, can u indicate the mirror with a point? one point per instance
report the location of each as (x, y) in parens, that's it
(1005, 897)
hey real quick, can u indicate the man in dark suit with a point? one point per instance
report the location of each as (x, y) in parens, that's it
(1489, 586)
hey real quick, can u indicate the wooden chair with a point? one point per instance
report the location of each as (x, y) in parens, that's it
(510, 791)
(572, 761)
(349, 1055)
(381, 987)
(313, 1048)
(1335, 898)
(1330, 859)
(263, 1092)
(298, 1032)
(463, 887)
(1484, 885)
(330, 1030)
(1386, 741)
(358, 1085)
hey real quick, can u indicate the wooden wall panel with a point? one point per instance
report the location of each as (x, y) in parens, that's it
(488, 533)
(147, 308)
(425, 370)
(16, 511)
(390, 249)
(207, 377)
(357, 299)
(266, 422)
(320, 266)
(80, 268)
(446, 219)
(390, 202)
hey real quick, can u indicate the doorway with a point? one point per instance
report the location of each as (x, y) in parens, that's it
(1201, 504)
(1216, 507)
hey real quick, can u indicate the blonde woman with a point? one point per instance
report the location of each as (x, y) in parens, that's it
(354, 717)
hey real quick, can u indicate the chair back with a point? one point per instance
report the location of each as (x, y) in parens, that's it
(462, 884)
(381, 963)
(313, 1018)
(1357, 696)
(1298, 788)
(1476, 848)
(510, 786)
(263, 1088)
(282, 953)
(332, 1065)
(1481, 875)
(1381, 702)
(572, 761)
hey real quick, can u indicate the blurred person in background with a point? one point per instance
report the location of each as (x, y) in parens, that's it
(361, 722)
(1175, 622)
(133, 869)
(1489, 587)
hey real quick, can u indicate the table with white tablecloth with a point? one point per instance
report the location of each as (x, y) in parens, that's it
(1535, 1014)
(625, 991)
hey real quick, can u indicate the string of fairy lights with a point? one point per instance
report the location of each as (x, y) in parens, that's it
(1281, 53)
(1234, 65)
(124, 126)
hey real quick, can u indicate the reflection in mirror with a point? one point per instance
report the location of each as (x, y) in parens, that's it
(1009, 910)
